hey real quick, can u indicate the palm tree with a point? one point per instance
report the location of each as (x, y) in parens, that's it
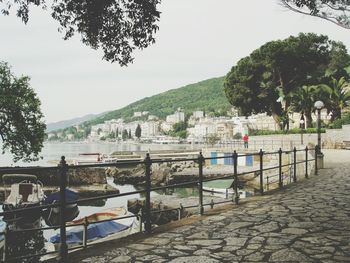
(339, 96)
(303, 99)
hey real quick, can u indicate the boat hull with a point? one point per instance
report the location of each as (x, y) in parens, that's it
(26, 217)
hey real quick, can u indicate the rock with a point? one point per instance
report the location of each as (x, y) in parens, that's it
(135, 206)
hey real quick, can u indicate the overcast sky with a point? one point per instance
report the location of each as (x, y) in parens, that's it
(197, 40)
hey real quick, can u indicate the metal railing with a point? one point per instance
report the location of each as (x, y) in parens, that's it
(145, 216)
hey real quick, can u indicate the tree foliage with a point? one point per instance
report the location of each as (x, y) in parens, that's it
(338, 98)
(335, 11)
(138, 131)
(22, 129)
(118, 27)
(266, 80)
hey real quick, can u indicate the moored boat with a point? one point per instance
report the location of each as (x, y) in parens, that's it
(52, 214)
(114, 226)
(25, 192)
(222, 188)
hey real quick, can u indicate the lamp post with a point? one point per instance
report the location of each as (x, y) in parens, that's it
(319, 105)
(302, 127)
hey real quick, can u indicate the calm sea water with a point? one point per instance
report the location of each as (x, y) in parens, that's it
(71, 150)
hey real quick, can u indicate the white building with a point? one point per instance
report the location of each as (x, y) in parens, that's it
(149, 129)
(176, 117)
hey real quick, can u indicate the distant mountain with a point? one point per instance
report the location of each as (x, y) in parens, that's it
(207, 95)
(67, 123)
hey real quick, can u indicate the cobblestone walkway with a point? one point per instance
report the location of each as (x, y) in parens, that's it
(307, 222)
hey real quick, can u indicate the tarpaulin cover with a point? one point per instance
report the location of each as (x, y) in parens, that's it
(97, 230)
(70, 196)
(2, 229)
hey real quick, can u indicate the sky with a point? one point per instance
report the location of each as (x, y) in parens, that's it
(197, 40)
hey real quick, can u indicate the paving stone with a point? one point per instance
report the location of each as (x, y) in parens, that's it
(185, 248)
(194, 259)
(236, 241)
(255, 257)
(288, 254)
(204, 243)
(156, 241)
(200, 235)
(176, 253)
(294, 231)
(140, 247)
(150, 258)
(202, 252)
(121, 259)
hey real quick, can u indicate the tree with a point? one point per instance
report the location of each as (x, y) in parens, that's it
(213, 139)
(265, 80)
(138, 131)
(125, 135)
(22, 129)
(118, 27)
(335, 11)
(303, 100)
(339, 96)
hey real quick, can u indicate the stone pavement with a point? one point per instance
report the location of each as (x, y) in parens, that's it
(307, 222)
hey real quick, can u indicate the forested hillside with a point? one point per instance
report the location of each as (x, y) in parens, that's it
(206, 95)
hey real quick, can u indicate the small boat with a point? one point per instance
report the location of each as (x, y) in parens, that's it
(222, 188)
(100, 158)
(97, 231)
(25, 192)
(52, 215)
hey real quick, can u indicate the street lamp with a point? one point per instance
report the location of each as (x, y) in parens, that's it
(319, 105)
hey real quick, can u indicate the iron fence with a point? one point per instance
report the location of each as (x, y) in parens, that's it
(145, 216)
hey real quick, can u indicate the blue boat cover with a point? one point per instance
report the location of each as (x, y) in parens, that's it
(70, 196)
(2, 229)
(96, 230)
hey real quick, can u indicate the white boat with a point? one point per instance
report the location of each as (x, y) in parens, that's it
(222, 188)
(100, 158)
(98, 232)
(25, 192)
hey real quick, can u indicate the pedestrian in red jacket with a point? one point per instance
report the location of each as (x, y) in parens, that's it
(245, 140)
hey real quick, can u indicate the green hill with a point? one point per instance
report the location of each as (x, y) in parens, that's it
(207, 95)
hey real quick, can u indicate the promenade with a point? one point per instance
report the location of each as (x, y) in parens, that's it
(308, 221)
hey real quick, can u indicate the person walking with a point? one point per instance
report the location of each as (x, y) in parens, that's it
(245, 140)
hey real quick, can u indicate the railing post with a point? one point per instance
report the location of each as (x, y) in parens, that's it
(306, 162)
(85, 233)
(148, 163)
(200, 183)
(261, 154)
(280, 182)
(295, 164)
(4, 253)
(63, 168)
(267, 183)
(316, 153)
(235, 175)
